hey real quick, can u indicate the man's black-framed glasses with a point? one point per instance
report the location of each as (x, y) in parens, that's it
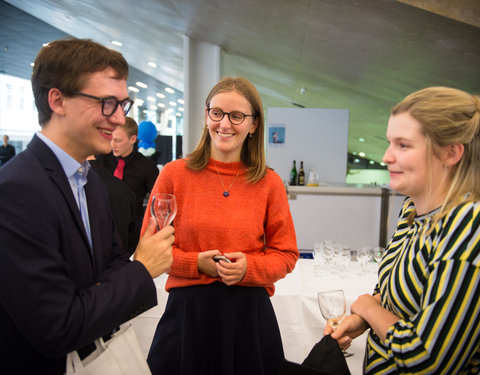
(110, 103)
(235, 117)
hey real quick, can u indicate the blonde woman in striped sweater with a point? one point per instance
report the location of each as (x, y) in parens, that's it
(424, 315)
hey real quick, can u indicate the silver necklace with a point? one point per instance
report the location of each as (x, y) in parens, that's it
(225, 193)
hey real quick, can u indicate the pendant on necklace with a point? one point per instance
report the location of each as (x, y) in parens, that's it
(225, 192)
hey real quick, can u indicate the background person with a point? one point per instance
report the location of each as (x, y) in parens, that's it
(123, 204)
(425, 312)
(65, 279)
(7, 151)
(219, 318)
(138, 172)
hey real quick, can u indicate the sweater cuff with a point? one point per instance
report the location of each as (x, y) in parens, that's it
(185, 265)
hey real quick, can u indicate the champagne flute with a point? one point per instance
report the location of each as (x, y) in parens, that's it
(163, 209)
(333, 307)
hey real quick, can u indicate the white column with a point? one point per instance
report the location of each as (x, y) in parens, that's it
(201, 72)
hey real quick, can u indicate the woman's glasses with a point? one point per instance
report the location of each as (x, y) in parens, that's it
(235, 117)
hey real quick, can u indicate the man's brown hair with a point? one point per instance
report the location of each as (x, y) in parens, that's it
(65, 64)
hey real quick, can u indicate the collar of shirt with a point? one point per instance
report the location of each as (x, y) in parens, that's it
(126, 158)
(70, 165)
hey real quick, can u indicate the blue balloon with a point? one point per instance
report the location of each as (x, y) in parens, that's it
(147, 132)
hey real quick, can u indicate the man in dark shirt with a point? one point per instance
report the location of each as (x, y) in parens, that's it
(125, 162)
(6, 151)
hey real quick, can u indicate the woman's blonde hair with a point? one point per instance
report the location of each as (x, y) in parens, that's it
(253, 151)
(449, 116)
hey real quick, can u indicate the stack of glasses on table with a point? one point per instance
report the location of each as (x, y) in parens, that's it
(335, 258)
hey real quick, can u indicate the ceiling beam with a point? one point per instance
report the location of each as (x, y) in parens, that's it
(466, 11)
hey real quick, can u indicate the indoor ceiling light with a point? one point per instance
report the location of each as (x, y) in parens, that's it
(152, 64)
(133, 88)
(117, 43)
(173, 104)
(362, 154)
(160, 95)
(181, 101)
(142, 85)
(161, 105)
(150, 99)
(168, 89)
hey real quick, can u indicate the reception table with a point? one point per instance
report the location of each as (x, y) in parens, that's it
(295, 303)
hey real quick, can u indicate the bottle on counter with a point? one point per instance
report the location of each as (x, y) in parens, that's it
(293, 174)
(301, 175)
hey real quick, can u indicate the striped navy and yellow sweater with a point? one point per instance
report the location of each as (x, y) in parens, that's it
(433, 284)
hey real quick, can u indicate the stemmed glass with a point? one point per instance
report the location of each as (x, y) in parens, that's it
(333, 307)
(378, 253)
(341, 257)
(363, 256)
(163, 209)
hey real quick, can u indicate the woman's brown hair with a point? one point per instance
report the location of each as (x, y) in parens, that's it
(253, 150)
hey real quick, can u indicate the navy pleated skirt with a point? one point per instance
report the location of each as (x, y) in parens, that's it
(217, 330)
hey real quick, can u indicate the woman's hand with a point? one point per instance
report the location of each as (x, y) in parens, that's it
(352, 327)
(370, 309)
(364, 303)
(232, 273)
(206, 264)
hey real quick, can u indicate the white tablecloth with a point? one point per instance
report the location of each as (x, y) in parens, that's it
(295, 303)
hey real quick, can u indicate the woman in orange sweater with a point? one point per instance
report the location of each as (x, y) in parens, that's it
(219, 318)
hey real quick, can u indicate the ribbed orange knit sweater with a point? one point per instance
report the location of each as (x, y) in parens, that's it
(254, 219)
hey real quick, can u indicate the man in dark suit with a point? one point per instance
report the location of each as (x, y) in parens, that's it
(7, 151)
(65, 279)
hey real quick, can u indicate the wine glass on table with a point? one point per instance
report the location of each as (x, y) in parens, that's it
(163, 209)
(333, 307)
(378, 253)
(364, 255)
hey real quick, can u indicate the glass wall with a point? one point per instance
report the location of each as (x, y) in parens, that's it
(18, 115)
(19, 118)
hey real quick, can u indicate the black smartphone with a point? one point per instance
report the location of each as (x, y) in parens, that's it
(217, 258)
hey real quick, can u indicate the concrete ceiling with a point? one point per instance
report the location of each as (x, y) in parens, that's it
(364, 55)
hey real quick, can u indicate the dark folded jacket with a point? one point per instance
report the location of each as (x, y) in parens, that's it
(325, 358)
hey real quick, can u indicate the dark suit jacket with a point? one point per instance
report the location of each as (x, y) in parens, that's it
(55, 296)
(123, 206)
